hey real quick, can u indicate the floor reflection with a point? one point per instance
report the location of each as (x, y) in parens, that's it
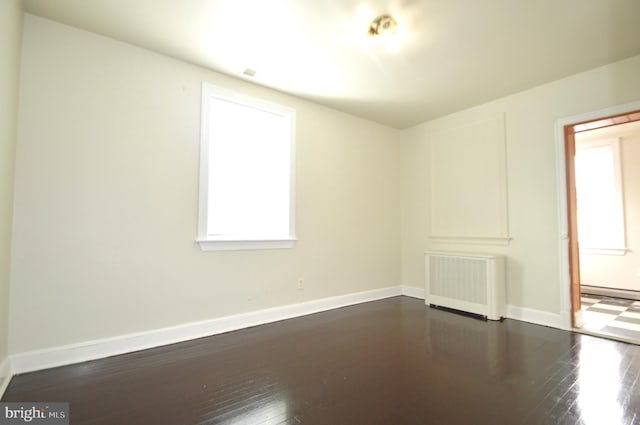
(264, 412)
(599, 383)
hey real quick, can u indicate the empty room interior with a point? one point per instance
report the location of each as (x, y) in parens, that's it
(337, 212)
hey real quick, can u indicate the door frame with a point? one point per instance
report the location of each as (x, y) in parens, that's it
(569, 255)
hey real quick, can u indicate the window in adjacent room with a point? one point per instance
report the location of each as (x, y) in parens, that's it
(600, 212)
(246, 173)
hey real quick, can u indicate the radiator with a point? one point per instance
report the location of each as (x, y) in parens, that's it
(473, 283)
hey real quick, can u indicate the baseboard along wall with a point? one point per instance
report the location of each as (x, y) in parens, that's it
(91, 350)
(75, 353)
(523, 314)
(5, 375)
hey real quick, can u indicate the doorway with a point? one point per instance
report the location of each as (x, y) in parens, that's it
(604, 283)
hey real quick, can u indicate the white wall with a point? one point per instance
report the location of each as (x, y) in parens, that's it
(613, 271)
(106, 198)
(533, 254)
(10, 47)
(106, 194)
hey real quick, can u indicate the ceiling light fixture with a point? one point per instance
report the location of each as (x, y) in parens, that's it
(383, 25)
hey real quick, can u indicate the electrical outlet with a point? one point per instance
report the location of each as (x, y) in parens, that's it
(300, 283)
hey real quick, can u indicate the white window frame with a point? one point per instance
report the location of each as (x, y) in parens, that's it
(210, 242)
(619, 248)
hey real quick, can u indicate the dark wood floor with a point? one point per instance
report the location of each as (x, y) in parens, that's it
(390, 362)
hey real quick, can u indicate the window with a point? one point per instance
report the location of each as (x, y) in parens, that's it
(246, 173)
(599, 193)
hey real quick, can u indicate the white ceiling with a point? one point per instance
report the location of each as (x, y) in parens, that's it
(451, 54)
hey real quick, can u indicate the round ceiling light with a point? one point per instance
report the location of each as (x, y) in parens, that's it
(383, 25)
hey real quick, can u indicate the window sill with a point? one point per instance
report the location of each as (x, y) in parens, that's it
(603, 251)
(245, 244)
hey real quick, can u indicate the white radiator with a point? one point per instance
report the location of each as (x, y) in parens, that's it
(474, 283)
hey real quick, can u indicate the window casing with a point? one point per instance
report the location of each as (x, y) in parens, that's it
(247, 153)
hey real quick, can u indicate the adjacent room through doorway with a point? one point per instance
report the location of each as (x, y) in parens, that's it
(605, 217)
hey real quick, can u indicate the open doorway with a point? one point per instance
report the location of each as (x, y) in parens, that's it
(603, 209)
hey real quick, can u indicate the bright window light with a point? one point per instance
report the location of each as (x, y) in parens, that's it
(246, 173)
(599, 194)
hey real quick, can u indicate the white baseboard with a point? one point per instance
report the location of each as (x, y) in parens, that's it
(523, 314)
(5, 375)
(412, 291)
(538, 317)
(90, 350)
(96, 349)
